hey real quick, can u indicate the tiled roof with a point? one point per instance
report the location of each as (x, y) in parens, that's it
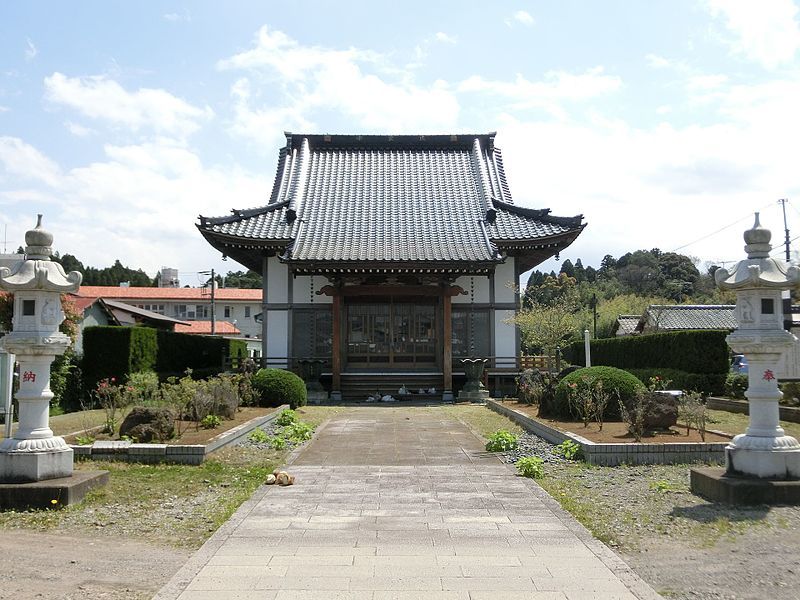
(389, 200)
(204, 328)
(137, 313)
(626, 324)
(154, 293)
(689, 316)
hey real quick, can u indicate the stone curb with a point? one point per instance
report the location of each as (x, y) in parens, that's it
(183, 454)
(611, 455)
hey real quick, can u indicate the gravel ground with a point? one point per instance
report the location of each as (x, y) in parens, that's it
(684, 546)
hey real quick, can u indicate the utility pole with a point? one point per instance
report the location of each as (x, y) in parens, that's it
(782, 202)
(213, 305)
(213, 301)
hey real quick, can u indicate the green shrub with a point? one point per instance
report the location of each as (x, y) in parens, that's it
(276, 387)
(297, 432)
(144, 385)
(530, 387)
(791, 392)
(569, 450)
(210, 422)
(701, 351)
(258, 436)
(502, 441)
(530, 466)
(617, 382)
(286, 417)
(736, 385)
(709, 384)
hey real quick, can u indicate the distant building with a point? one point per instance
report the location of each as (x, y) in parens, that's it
(168, 278)
(237, 307)
(659, 318)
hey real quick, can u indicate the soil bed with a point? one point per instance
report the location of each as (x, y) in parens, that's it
(192, 433)
(616, 432)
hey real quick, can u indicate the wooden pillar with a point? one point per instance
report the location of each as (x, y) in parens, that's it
(264, 269)
(447, 355)
(336, 350)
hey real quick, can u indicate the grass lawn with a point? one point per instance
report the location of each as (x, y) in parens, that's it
(179, 505)
(736, 423)
(74, 422)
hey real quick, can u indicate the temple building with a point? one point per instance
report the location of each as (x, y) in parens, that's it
(390, 257)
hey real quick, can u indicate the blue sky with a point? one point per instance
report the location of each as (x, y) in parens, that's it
(660, 121)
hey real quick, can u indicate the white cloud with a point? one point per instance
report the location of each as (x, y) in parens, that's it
(304, 81)
(103, 99)
(522, 17)
(185, 16)
(550, 94)
(657, 62)
(445, 38)
(22, 160)
(138, 203)
(30, 50)
(77, 129)
(766, 31)
(4, 109)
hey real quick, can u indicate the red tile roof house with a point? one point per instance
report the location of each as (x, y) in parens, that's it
(388, 256)
(188, 310)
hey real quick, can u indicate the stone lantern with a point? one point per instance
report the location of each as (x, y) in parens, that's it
(33, 453)
(764, 450)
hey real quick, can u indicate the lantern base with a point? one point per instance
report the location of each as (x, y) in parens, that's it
(26, 467)
(473, 396)
(716, 485)
(781, 464)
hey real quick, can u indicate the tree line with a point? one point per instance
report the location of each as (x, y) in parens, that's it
(556, 307)
(119, 273)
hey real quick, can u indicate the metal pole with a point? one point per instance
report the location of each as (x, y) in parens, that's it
(213, 306)
(786, 228)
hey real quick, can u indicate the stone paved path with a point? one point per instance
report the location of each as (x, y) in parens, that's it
(398, 504)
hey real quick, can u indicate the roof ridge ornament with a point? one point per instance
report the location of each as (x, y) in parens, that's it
(757, 240)
(39, 242)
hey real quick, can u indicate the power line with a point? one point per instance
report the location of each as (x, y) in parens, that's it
(720, 229)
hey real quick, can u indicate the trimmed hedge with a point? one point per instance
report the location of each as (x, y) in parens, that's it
(708, 384)
(701, 351)
(615, 381)
(116, 351)
(276, 387)
(111, 351)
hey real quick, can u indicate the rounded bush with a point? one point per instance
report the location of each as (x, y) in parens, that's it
(622, 386)
(276, 387)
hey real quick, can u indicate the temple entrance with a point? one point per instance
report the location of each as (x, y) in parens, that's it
(395, 333)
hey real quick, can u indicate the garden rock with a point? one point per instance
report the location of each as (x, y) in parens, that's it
(146, 424)
(661, 411)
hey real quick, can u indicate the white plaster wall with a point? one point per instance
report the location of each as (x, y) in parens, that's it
(277, 334)
(503, 277)
(481, 289)
(504, 338)
(301, 290)
(277, 281)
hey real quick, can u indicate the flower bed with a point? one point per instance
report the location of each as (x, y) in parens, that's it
(614, 448)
